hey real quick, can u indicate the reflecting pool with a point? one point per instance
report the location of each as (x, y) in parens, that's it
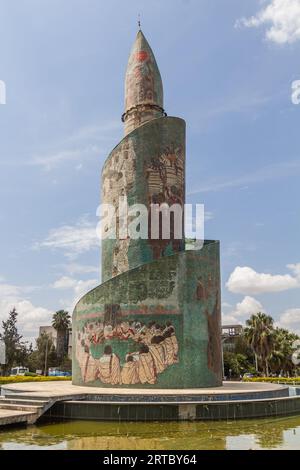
(87, 435)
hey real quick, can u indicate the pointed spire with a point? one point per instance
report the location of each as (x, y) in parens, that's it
(143, 86)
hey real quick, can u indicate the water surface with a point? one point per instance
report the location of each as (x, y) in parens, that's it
(87, 435)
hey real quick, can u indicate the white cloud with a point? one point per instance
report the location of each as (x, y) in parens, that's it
(267, 173)
(50, 161)
(78, 289)
(247, 307)
(290, 320)
(281, 18)
(295, 268)
(228, 319)
(9, 291)
(244, 280)
(85, 143)
(75, 268)
(243, 310)
(30, 316)
(226, 305)
(82, 287)
(72, 239)
(64, 282)
(106, 131)
(208, 215)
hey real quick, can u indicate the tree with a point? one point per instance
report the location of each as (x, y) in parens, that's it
(61, 322)
(238, 364)
(280, 359)
(44, 355)
(259, 334)
(16, 351)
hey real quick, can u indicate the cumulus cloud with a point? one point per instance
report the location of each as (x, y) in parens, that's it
(290, 319)
(30, 315)
(248, 306)
(77, 287)
(245, 280)
(242, 311)
(295, 268)
(76, 268)
(82, 287)
(64, 282)
(73, 240)
(281, 18)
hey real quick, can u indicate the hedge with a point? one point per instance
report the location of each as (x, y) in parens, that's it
(22, 378)
(276, 380)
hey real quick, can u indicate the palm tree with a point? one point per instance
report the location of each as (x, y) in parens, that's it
(280, 358)
(259, 334)
(61, 322)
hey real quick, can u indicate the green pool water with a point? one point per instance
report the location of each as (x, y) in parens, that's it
(87, 435)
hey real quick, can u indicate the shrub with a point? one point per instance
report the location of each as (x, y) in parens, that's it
(276, 380)
(23, 378)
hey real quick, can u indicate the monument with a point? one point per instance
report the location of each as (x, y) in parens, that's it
(155, 321)
(147, 341)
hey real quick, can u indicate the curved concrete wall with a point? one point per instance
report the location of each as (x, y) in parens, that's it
(175, 300)
(147, 166)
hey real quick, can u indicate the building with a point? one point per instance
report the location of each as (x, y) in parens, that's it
(52, 333)
(230, 335)
(155, 321)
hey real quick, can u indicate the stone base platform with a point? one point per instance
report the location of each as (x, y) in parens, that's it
(229, 391)
(234, 400)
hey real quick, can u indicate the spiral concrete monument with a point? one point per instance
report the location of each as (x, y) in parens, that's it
(155, 321)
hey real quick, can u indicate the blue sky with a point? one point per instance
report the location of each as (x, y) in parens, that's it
(227, 69)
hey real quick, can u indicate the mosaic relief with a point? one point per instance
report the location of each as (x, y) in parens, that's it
(147, 167)
(119, 173)
(165, 184)
(175, 300)
(143, 81)
(117, 181)
(165, 176)
(125, 352)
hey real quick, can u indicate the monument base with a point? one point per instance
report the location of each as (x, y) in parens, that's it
(233, 400)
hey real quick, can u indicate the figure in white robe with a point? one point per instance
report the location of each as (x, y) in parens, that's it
(91, 369)
(108, 332)
(157, 351)
(82, 354)
(109, 371)
(169, 349)
(146, 367)
(129, 373)
(174, 342)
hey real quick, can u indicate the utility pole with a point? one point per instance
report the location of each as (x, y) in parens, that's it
(222, 352)
(46, 357)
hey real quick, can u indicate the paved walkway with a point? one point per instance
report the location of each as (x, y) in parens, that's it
(58, 389)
